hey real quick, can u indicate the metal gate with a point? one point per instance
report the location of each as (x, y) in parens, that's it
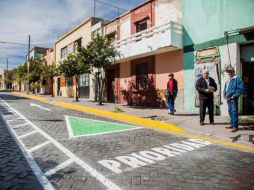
(84, 86)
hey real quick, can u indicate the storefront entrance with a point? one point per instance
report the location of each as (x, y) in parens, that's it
(247, 60)
(84, 86)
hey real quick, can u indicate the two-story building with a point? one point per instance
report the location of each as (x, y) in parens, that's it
(81, 35)
(149, 40)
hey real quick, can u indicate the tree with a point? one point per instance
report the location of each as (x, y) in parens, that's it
(20, 74)
(36, 68)
(98, 55)
(49, 72)
(71, 67)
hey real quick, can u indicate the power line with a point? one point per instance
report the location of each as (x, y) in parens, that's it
(110, 5)
(13, 43)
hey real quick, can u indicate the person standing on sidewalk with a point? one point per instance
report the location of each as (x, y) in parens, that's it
(233, 88)
(206, 86)
(172, 90)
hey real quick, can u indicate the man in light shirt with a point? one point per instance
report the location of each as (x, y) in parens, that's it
(232, 91)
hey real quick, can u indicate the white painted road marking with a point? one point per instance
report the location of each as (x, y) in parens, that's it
(29, 158)
(27, 134)
(39, 106)
(59, 167)
(92, 171)
(17, 126)
(68, 124)
(38, 146)
(144, 158)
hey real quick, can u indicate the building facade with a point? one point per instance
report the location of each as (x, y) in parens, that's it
(67, 44)
(47, 83)
(149, 40)
(218, 33)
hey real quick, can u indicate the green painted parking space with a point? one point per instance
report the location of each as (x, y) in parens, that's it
(84, 127)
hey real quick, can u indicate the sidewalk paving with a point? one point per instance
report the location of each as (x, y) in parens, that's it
(188, 122)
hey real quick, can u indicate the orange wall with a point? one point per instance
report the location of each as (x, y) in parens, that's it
(166, 63)
(125, 74)
(125, 78)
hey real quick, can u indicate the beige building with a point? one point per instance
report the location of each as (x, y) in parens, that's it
(81, 35)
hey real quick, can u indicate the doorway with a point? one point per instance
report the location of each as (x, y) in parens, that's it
(58, 87)
(110, 85)
(247, 60)
(84, 86)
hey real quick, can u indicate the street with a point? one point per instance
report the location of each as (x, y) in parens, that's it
(69, 149)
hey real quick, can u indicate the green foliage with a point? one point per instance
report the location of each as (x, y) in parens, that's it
(118, 110)
(72, 66)
(36, 69)
(98, 55)
(50, 71)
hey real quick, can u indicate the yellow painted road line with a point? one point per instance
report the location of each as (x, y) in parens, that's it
(38, 98)
(141, 121)
(123, 117)
(222, 142)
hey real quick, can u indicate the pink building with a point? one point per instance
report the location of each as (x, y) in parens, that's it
(149, 39)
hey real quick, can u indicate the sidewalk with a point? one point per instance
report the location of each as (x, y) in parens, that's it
(187, 122)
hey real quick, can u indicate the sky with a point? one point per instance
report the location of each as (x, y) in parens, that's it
(46, 21)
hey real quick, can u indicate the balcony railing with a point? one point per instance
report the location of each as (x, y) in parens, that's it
(151, 39)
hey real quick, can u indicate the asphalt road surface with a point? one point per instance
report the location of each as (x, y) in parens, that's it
(67, 149)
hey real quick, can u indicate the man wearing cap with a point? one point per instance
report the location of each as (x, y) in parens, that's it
(206, 86)
(233, 88)
(172, 90)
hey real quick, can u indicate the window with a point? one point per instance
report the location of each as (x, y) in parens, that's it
(64, 52)
(84, 80)
(142, 76)
(111, 37)
(140, 26)
(44, 82)
(77, 44)
(69, 81)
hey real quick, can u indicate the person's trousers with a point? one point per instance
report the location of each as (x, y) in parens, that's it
(171, 105)
(233, 112)
(206, 103)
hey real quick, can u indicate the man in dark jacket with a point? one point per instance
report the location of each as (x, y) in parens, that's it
(205, 86)
(172, 89)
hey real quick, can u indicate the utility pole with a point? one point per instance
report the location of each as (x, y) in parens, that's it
(6, 74)
(27, 63)
(7, 65)
(94, 8)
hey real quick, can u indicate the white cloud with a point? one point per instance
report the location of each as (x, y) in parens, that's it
(45, 21)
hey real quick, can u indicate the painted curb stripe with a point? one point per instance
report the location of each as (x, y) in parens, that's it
(122, 117)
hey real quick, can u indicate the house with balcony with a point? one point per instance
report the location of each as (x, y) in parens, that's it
(81, 35)
(149, 40)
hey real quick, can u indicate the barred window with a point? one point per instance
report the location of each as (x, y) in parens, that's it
(64, 52)
(69, 81)
(142, 76)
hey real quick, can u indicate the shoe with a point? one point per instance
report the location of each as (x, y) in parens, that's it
(229, 127)
(212, 123)
(202, 123)
(234, 130)
(171, 113)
